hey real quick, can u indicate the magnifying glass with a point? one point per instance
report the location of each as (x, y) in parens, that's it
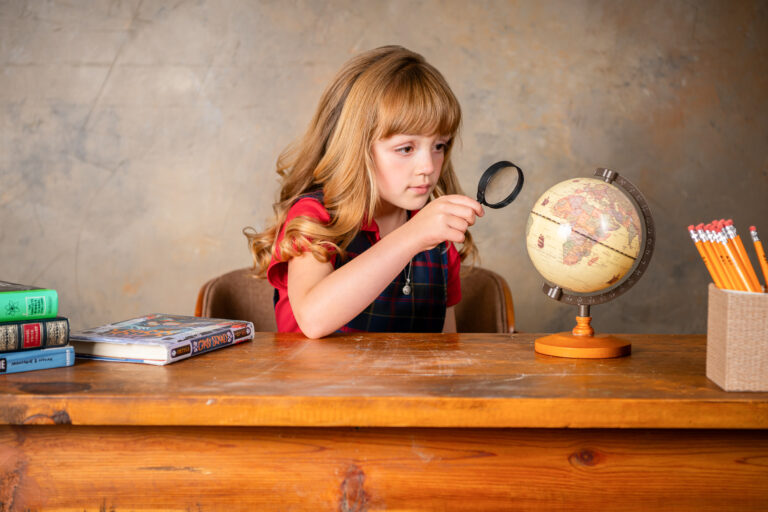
(495, 184)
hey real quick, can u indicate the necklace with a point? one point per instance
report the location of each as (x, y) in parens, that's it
(407, 287)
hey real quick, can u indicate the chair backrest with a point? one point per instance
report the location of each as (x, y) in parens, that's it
(238, 295)
(486, 304)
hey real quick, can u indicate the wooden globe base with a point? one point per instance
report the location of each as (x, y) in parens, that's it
(582, 343)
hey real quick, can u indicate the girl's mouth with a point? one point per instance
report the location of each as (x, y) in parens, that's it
(421, 189)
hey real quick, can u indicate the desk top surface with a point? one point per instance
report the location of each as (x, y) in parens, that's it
(392, 380)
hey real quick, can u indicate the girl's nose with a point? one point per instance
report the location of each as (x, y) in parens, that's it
(426, 165)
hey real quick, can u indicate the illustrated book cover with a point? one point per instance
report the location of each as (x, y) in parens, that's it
(42, 359)
(32, 335)
(159, 338)
(24, 302)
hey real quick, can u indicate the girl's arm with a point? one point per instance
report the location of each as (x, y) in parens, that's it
(324, 299)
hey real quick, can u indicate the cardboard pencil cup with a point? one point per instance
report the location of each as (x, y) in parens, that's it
(737, 340)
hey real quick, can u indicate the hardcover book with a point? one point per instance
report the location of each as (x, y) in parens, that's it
(159, 338)
(31, 335)
(24, 302)
(42, 359)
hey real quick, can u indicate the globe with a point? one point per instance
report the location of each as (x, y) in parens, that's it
(591, 239)
(583, 234)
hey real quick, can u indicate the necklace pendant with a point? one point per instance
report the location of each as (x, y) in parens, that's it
(407, 288)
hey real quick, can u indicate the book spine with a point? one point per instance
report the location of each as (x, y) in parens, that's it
(214, 341)
(28, 305)
(29, 360)
(48, 333)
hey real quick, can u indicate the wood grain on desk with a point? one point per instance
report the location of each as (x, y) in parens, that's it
(386, 422)
(392, 380)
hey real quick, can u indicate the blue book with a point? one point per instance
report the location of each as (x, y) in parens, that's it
(28, 360)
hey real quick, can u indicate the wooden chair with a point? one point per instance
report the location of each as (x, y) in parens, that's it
(238, 295)
(486, 304)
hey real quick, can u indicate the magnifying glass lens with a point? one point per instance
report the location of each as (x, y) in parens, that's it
(501, 184)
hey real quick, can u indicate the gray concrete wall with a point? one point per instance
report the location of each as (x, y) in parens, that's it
(138, 137)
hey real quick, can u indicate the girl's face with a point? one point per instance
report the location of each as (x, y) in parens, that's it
(407, 168)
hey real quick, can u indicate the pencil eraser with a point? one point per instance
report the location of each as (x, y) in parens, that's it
(700, 226)
(752, 228)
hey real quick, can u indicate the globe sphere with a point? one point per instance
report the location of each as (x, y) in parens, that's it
(584, 235)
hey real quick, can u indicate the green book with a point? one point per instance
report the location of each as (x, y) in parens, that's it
(24, 302)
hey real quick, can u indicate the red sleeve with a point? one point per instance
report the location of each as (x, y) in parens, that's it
(454, 282)
(277, 272)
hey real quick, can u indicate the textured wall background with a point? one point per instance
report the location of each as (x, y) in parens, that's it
(138, 137)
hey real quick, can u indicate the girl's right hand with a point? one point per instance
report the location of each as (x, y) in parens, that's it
(444, 219)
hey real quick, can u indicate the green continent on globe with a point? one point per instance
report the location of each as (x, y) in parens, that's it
(584, 235)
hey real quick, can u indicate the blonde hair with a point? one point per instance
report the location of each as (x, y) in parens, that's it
(379, 93)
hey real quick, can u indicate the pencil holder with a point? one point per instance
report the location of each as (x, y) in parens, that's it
(737, 340)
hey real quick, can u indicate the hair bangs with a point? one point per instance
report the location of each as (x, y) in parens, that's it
(418, 102)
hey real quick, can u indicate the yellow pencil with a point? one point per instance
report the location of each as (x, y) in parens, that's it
(705, 257)
(760, 254)
(731, 282)
(714, 258)
(735, 241)
(733, 261)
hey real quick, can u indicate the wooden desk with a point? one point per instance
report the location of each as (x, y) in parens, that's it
(395, 422)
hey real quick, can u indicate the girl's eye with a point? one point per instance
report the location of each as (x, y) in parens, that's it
(441, 146)
(404, 150)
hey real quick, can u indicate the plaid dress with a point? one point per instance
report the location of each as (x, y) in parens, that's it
(423, 310)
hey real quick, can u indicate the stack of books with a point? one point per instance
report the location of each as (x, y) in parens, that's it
(32, 337)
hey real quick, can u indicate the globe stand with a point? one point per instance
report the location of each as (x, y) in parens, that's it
(582, 343)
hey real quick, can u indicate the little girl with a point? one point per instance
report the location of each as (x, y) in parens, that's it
(370, 207)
